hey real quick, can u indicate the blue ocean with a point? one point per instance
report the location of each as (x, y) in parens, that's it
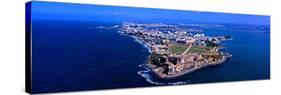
(69, 52)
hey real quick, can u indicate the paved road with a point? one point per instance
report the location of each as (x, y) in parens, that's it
(187, 50)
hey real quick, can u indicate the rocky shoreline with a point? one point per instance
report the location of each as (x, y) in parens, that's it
(174, 54)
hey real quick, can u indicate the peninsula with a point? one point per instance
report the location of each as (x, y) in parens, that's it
(176, 49)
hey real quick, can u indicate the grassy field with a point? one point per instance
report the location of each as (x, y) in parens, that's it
(199, 49)
(178, 48)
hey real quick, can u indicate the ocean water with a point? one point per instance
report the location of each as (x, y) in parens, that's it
(76, 55)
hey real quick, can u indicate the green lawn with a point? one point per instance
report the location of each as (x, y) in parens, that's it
(178, 48)
(199, 49)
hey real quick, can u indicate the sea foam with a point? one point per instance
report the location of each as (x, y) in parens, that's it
(146, 73)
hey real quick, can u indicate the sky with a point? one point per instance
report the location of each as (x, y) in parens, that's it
(90, 12)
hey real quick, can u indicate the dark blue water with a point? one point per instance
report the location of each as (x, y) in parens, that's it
(75, 55)
(250, 50)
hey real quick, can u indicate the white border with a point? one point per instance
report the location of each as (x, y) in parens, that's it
(12, 52)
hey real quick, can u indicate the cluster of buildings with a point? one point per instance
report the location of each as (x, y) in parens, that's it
(160, 37)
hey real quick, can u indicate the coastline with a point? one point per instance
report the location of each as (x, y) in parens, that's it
(187, 71)
(138, 41)
(152, 39)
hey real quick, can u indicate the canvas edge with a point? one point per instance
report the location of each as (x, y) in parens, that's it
(28, 71)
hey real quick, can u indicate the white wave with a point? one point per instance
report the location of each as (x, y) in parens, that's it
(143, 44)
(146, 74)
